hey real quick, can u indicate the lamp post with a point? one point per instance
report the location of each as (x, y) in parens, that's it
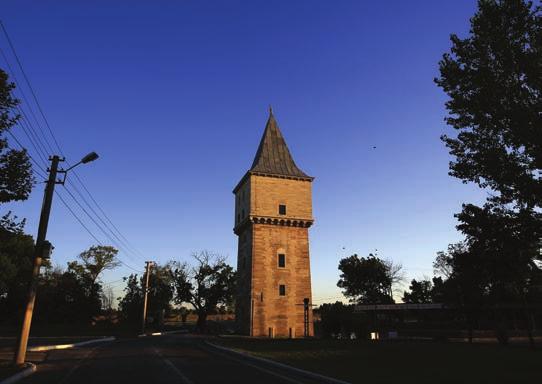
(42, 249)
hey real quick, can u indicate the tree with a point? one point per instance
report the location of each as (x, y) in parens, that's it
(420, 292)
(16, 250)
(442, 266)
(207, 284)
(108, 298)
(395, 274)
(493, 79)
(68, 296)
(161, 291)
(160, 294)
(16, 183)
(504, 245)
(131, 304)
(365, 280)
(16, 178)
(494, 82)
(99, 258)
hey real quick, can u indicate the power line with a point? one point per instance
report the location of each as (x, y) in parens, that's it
(28, 154)
(88, 230)
(30, 86)
(94, 221)
(107, 218)
(77, 218)
(33, 143)
(99, 217)
(40, 147)
(21, 90)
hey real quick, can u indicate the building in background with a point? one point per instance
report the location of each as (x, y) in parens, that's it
(273, 212)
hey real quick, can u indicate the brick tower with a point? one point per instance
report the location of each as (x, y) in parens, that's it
(273, 212)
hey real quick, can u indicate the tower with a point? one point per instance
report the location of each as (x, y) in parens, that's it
(273, 212)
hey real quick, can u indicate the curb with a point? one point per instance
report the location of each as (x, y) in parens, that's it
(30, 369)
(162, 333)
(66, 346)
(309, 374)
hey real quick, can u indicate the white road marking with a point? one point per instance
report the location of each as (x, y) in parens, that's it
(289, 379)
(183, 378)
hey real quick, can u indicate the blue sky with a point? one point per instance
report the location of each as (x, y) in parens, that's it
(173, 95)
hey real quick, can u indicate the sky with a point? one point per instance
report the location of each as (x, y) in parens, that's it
(174, 97)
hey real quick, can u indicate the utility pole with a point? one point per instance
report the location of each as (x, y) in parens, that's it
(38, 257)
(145, 292)
(42, 249)
(306, 317)
(306, 324)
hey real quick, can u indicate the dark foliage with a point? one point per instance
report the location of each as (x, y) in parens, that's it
(365, 280)
(207, 285)
(340, 320)
(494, 81)
(16, 178)
(160, 295)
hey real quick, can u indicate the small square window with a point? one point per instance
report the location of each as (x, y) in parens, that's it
(282, 290)
(282, 260)
(282, 209)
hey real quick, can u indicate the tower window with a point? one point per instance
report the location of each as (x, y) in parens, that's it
(282, 290)
(282, 209)
(282, 260)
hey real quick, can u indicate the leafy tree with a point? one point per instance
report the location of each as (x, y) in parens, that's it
(161, 291)
(16, 183)
(99, 258)
(494, 82)
(16, 178)
(68, 296)
(365, 280)
(206, 285)
(442, 266)
(131, 303)
(504, 245)
(420, 292)
(16, 250)
(493, 78)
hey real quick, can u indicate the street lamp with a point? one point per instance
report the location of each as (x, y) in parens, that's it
(41, 244)
(87, 159)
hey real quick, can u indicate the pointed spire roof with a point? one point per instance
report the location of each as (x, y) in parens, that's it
(273, 157)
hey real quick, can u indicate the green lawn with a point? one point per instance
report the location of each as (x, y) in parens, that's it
(400, 362)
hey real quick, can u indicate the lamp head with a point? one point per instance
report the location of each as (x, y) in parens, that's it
(90, 157)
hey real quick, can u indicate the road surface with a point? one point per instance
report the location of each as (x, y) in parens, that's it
(154, 360)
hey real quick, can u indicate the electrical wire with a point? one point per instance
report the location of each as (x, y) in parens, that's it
(41, 150)
(89, 231)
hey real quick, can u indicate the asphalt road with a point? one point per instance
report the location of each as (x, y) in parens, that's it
(154, 360)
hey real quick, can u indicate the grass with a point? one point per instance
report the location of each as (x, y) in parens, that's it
(400, 362)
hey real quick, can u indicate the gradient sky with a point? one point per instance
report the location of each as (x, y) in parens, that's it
(173, 95)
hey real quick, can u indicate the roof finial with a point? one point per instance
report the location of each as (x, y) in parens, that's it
(270, 110)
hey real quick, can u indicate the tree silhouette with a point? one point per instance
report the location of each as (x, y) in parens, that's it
(365, 280)
(207, 284)
(493, 79)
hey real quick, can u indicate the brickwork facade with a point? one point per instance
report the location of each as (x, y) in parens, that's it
(273, 213)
